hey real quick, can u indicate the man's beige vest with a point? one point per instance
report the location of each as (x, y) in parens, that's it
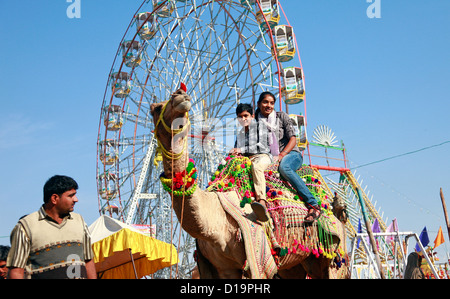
(56, 249)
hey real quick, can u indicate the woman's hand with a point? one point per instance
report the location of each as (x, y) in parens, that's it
(280, 156)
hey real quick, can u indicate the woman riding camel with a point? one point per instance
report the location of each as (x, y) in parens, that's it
(284, 149)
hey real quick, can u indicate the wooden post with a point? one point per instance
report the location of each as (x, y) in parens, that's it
(369, 231)
(132, 261)
(445, 213)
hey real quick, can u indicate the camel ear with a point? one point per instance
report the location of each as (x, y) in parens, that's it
(155, 108)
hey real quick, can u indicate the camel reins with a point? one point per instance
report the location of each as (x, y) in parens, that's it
(165, 152)
(168, 184)
(183, 183)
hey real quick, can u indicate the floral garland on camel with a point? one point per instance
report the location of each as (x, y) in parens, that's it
(183, 183)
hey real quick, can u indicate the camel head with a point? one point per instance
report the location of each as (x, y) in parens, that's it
(177, 106)
(170, 116)
(172, 123)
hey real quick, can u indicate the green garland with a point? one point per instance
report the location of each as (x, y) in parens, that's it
(181, 181)
(188, 192)
(234, 174)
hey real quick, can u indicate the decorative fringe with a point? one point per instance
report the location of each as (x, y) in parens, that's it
(287, 231)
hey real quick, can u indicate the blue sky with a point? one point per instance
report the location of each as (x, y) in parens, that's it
(380, 84)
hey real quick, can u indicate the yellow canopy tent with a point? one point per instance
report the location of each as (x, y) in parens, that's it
(122, 252)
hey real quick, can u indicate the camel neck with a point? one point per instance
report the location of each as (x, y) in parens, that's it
(173, 166)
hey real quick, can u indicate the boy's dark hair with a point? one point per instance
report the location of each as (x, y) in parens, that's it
(58, 184)
(244, 108)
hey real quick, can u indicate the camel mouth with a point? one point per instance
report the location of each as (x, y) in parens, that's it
(181, 102)
(183, 107)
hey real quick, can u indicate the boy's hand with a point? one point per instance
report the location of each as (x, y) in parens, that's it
(279, 157)
(235, 151)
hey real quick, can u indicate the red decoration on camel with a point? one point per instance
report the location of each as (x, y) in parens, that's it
(183, 87)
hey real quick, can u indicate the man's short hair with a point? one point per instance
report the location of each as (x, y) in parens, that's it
(244, 108)
(58, 184)
(4, 250)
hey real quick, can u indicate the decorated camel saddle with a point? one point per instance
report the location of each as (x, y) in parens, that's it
(288, 234)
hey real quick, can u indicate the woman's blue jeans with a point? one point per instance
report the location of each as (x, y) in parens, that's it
(288, 167)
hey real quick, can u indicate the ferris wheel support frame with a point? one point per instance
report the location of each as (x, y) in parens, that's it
(137, 193)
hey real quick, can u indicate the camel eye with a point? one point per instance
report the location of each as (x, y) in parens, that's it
(158, 109)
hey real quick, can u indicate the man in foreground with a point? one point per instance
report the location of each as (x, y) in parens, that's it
(53, 242)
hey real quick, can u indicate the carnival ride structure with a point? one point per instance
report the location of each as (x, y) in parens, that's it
(389, 245)
(225, 52)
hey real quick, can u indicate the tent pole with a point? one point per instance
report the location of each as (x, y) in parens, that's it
(132, 261)
(370, 233)
(445, 212)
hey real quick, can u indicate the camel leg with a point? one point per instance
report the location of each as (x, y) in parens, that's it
(230, 274)
(205, 268)
(208, 271)
(317, 268)
(296, 272)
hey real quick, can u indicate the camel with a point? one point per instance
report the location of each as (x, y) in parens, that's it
(219, 253)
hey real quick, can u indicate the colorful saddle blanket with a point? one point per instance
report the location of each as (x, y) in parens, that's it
(257, 248)
(287, 210)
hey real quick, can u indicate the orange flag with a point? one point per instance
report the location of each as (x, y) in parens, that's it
(439, 238)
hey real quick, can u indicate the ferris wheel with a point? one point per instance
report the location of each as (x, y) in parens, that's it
(225, 52)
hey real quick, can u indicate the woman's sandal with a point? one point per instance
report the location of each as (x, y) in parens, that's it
(260, 211)
(314, 213)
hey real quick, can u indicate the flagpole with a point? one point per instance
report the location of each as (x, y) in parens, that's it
(445, 213)
(369, 231)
